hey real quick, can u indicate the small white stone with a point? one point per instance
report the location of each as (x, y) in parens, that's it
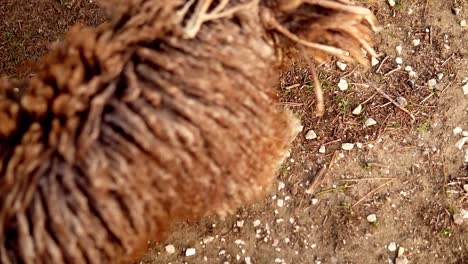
(447, 47)
(281, 185)
(240, 223)
(412, 75)
(464, 134)
(347, 146)
(399, 49)
(190, 252)
(372, 218)
(460, 143)
(440, 75)
(359, 145)
(416, 42)
(357, 110)
(247, 260)
(280, 202)
(456, 10)
(311, 135)
(432, 83)
(256, 223)
(410, 11)
(399, 60)
(343, 85)
(408, 68)
(392, 246)
(370, 122)
(401, 101)
(322, 149)
(466, 156)
(342, 66)
(465, 187)
(315, 201)
(374, 61)
(239, 242)
(391, 3)
(170, 249)
(208, 239)
(465, 89)
(463, 23)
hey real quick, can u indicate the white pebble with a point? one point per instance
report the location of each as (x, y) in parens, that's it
(399, 60)
(347, 146)
(408, 68)
(322, 149)
(392, 246)
(342, 66)
(399, 49)
(432, 83)
(190, 252)
(401, 101)
(315, 201)
(440, 75)
(280, 202)
(463, 23)
(374, 61)
(391, 3)
(208, 239)
(412, 74)
(370, 122)
(465, 89)
(466, 156)
(465, 187)
(247, 260)
(359, 145)
(357, 110)
(311, 135)
(372, 218)
(416, 42)
(240, 223)
(464, 134)
(461, 143)
(281, 185)
(343, 85)
(170, 249)
(239, 242)
(256, 223)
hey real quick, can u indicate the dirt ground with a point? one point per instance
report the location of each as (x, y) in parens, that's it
(405, 169)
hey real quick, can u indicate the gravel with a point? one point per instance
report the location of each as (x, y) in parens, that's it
(190, 252)
(347, 146)
(370, 122)
(372, 218)
(343, 85)
(311, 135)
(357, 110)
(170, 249)
(392, 246)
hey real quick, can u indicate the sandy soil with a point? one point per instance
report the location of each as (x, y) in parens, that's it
(407, 172)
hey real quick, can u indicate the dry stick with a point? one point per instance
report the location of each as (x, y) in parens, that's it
(382, 63)
(317, 87)
(368, 179)
(321, 174)
(372, 192)
(393, 102)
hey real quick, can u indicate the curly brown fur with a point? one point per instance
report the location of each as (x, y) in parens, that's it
(131, 126)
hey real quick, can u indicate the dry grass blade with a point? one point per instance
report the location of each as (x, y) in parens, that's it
(372, 192)
(393, 102)
(321, 174)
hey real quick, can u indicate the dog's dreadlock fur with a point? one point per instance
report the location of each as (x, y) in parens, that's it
(128, 127)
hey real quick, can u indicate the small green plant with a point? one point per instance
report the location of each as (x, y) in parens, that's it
(343, 104)
(375, 224)
(445, 232)
(424, 127)
(399, 5)
(393, 125)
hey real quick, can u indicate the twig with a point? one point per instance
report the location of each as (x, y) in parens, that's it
(367, 179)
(331, 142)
(382, 63)
(392, 71)
(317, 87)
(372, 192)
(393, 102)
(292, 86)
(449, 58)
(321, 174)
